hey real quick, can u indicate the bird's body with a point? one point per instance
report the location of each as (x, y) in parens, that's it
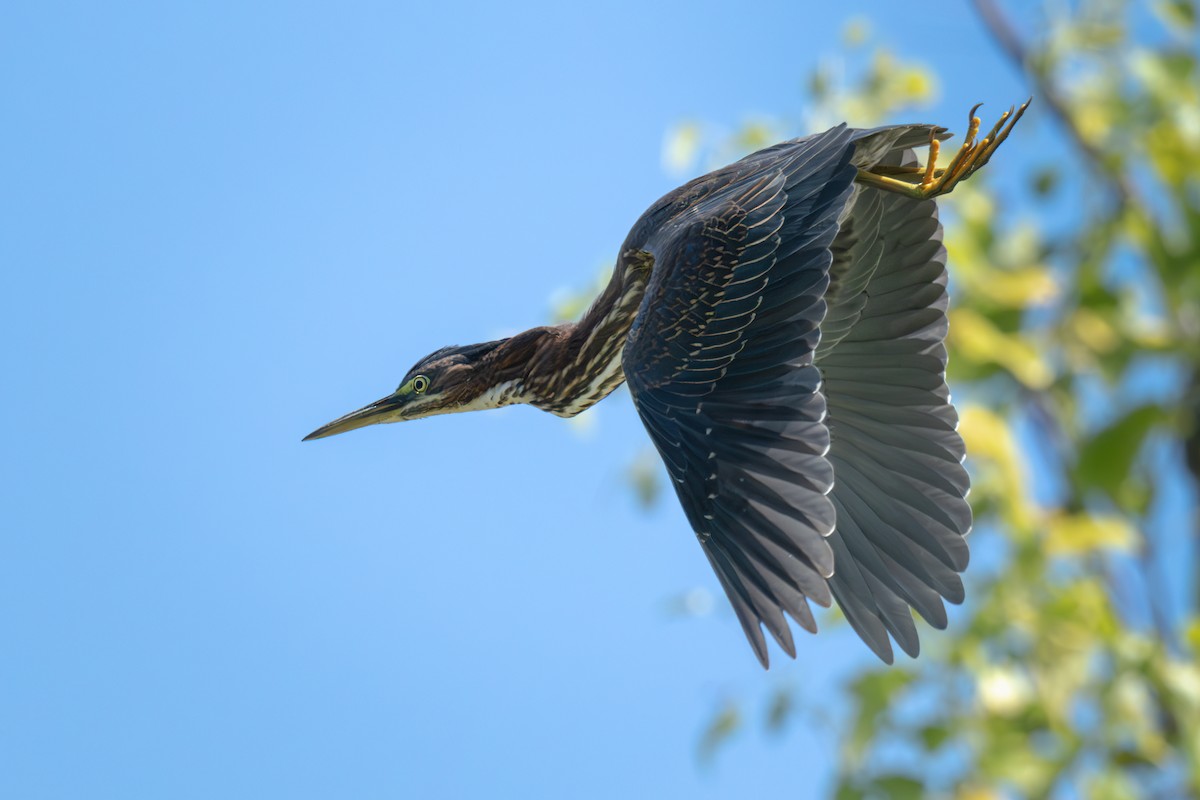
(781, 324)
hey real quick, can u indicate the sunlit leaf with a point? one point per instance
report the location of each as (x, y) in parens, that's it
(569, 304)
(1018, 288)
(1192, 635)
(1112, 785)
(976, 338)
(681, 149)
(974, 792)
(1004, 691)
(1094, 331)
(1183, 678)
(645, 477)
(1076, 534)
(916, 84)
(755, 136)
(1093, 121)
(1077, 614)
(989, 439)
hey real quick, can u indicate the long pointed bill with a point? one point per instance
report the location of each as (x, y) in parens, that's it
(379, 411)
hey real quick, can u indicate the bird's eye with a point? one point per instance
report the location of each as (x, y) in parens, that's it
(420, 384)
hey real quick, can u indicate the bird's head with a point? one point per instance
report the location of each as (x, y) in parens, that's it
(444, 382)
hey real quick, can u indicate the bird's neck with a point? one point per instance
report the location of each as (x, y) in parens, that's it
(569, 368)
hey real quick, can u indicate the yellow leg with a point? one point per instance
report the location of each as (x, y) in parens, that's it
(927, 182)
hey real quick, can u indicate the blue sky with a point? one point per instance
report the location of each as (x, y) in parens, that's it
(226, 224)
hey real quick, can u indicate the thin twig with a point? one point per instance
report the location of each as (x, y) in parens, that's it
(1008, 40)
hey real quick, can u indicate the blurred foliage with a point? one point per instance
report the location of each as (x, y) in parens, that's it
(1075, 341)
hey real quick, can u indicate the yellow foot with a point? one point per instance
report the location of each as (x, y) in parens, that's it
(922, 183)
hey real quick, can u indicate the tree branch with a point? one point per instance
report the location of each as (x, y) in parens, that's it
(1010, 42)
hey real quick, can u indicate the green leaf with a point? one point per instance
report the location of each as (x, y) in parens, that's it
(1045, 181)
(723, 726)
(782, 706)
(876, 690)
(1106, 459)
(1179, 14)
(899, 787)
(933, 736)
(848, 791)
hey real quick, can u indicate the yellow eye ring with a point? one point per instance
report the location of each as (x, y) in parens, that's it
(420, 384)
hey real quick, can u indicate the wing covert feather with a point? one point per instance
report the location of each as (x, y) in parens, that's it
(721, 372)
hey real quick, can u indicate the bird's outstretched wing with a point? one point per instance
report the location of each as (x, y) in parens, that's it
(720, 368)
(791, 373)
(900, 487)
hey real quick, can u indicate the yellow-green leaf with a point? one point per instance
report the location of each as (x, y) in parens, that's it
(1018, 288)
(978, 339)
(723, 726)
(1073, 534)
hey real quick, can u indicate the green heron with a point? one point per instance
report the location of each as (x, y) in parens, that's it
(781, 325)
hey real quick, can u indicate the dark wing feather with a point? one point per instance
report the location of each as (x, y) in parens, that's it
(900, 493)
(721, 371)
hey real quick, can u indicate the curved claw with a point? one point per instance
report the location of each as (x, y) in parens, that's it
(971, 156)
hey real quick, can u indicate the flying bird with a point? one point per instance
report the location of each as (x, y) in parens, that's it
(781, 325)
